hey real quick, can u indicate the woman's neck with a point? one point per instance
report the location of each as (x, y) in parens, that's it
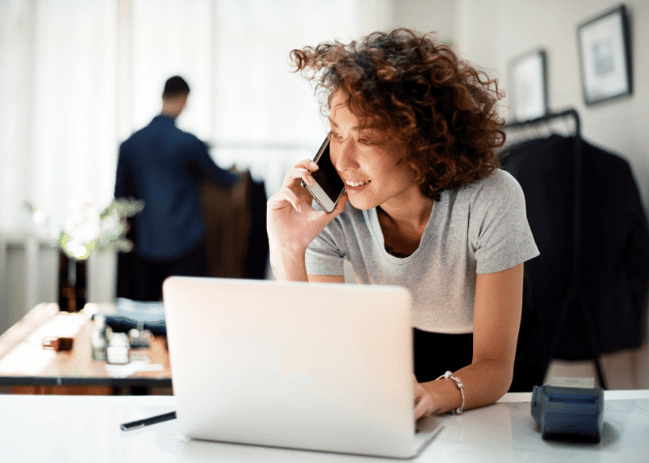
(404, 226)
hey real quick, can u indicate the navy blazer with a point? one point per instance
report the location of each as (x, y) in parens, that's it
(164, 166)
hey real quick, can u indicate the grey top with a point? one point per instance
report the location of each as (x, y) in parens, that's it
(479, 228)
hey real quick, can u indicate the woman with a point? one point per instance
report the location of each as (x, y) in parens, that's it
(414, 135)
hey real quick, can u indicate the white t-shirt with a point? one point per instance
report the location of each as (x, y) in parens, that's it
(479, 228)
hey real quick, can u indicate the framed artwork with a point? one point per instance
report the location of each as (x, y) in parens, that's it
(528, 86)
(605, 56)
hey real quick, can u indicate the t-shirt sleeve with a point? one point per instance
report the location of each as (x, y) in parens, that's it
(326, 253)
(499, 231)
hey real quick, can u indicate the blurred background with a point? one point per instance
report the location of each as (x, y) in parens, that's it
(77, 77)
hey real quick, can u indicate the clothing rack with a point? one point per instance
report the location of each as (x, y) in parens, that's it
(575, 291)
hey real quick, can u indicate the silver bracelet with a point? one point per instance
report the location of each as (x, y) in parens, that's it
(460, 386)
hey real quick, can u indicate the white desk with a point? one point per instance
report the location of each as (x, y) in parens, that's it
(86, 429)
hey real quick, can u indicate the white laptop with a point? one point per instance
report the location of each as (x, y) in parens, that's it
(323, 367)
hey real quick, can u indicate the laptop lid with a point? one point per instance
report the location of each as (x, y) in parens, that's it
(323, 367)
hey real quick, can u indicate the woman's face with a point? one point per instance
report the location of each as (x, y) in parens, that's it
(370, 170)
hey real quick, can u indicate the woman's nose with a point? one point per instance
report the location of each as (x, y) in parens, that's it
(344, 156)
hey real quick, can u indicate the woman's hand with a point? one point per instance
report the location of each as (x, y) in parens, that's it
(292, 223)
(423, 401)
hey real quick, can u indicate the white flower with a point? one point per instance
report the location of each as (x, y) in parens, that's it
(87, 230)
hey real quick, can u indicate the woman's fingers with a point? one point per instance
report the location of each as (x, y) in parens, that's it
(292, 191)
(287, 195)
(301, 171)
(423, 401)
(292, 222)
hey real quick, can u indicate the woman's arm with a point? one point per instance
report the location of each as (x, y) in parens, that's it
(326, 278)
(497, 316)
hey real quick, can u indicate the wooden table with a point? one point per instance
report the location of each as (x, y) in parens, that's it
(27, 367)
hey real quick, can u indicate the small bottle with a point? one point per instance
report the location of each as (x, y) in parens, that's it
(99, 339)
(119, 349)
(140, 338)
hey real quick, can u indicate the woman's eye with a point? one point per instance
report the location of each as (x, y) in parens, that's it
(368, 137)
(334, 136)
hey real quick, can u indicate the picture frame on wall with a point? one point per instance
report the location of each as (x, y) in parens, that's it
(528, 85)
(605, 56)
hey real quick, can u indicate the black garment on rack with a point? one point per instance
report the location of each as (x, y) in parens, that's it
(614, 247)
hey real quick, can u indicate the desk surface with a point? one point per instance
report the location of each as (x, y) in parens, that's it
(24, 362)
(82, 429)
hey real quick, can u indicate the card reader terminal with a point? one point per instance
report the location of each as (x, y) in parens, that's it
(569, 412)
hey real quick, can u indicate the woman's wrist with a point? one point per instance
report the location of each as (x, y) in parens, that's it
(460, 386)
(446, 395)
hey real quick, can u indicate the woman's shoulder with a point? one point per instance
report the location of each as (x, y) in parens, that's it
(497, 185)
(497, 192)
(499, 178)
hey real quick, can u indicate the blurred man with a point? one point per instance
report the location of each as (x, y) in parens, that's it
(164, 166)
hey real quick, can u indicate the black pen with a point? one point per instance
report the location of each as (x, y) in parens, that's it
(147, 421)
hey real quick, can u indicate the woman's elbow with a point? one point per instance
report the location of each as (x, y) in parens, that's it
(501, 377)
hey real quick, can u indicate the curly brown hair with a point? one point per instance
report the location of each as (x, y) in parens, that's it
(417, 91)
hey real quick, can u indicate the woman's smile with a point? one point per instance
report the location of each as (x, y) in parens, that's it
(355, 187)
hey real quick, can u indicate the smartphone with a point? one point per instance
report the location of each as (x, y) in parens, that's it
(328, 185)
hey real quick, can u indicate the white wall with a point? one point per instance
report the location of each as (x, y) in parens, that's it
(426, 16)
(492, 32)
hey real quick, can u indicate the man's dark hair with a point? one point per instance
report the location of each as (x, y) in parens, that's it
(175, 86)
